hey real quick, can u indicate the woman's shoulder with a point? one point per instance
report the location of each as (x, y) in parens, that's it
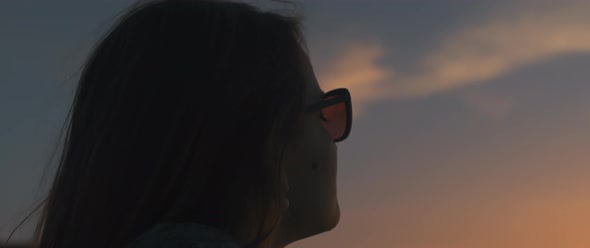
(183, 235)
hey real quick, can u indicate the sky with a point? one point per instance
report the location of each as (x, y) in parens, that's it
(470, 125)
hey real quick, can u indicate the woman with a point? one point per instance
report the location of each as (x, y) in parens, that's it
(197, 124)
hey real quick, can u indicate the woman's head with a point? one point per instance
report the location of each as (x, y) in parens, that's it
(193, 111)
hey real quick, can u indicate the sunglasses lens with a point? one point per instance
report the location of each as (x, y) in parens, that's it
(335, 116)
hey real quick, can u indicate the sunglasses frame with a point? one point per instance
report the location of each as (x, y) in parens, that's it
(342, 95)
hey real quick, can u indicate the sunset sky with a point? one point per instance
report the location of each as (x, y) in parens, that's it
(471, 118)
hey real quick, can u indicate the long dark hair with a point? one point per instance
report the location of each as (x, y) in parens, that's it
(182, 113)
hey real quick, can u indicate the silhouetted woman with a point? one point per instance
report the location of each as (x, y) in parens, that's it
(197, 124)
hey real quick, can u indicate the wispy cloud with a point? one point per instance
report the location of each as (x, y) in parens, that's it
(497, 46)
(473, 54)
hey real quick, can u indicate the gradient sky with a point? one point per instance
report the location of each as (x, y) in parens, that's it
(471, 123)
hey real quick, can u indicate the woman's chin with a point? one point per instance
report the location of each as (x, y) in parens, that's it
(332, 218)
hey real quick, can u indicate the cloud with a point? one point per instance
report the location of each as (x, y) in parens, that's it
(497, 46)
(516, 35)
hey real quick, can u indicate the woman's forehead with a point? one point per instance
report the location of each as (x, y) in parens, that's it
(312, 87)
(313, 92)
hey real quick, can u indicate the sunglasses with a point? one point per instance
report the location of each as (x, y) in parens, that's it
(336, 111)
